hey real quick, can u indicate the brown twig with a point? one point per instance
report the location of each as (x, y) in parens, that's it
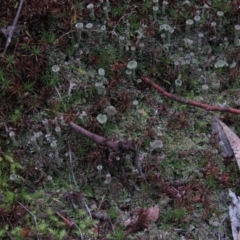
(189, 102)
(116, 146)
(68, 222)
(101, 202)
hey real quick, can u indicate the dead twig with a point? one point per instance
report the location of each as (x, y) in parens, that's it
(34, 217)
(189, 102)
(13, 27)
(68, 222)
(116, 146)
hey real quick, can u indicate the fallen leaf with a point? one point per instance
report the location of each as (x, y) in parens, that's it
(222, 137)
(233, 140)
(153, 213)
(197, 198)
(141, 219)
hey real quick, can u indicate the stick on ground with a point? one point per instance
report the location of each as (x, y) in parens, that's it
(189, 102)
(13, 27)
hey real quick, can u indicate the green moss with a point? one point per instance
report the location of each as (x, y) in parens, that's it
(112, 213)
(118, 235)
(174, 215)
(212, 182)
(201, 126)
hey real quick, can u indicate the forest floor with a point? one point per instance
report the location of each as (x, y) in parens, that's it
(82, 62)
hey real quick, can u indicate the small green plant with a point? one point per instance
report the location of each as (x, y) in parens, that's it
(26, 47)
(82, 152)
(28, 86)
(17, 231)
(146, 6)
(16, 115)
(47, 78)
(78, 5)
(174, 215)
(118, 234)
(48, 37)
(133, 19)
(92, 92)
(112, 213)
(43, 226)
(4, 82)
(10, 197)
(7, 167)
(109, 128)
(118, 11)
(201, 126)
(221, 5)
(211, 182)
(2, 233)
(36, 52)
(10, 59)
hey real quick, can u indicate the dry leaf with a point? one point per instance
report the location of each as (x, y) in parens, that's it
(153, 213)
(141, 219)
(138, 222)
(233, 140)
(225, 145)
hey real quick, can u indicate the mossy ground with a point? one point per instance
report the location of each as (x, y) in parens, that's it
(188, 179)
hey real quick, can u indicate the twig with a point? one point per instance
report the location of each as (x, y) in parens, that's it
(117, 146)
(87, 208)
(112, 226)
(74, 179)
(137, 161)
(34, 217)
(68, 222)
(94, 137)
(10, 236)
(189, 102)
(60, 97)
(13, 26)
(101, 202)
(119, 20)
(71, 165)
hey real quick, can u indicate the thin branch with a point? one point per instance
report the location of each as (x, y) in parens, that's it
(94, 137)
(119, 20)
(117, 146)
(71, 165)
(9, 39)
(34, 217)
(189, 102)
(74, 179)
(101, 202)
(69, 223)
